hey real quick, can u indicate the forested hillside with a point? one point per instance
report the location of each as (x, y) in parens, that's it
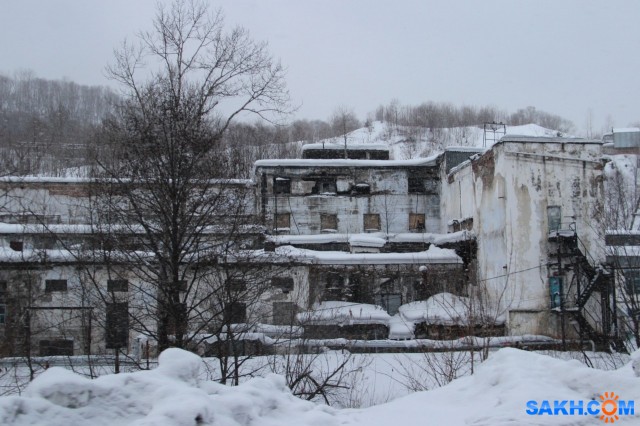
(47, 127)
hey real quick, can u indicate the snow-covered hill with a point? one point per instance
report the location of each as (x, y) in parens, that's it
(414, 142)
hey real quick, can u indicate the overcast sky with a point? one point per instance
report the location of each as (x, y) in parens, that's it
(562, 56)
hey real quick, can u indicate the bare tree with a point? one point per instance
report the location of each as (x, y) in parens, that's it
(164, 145)
(344, 120)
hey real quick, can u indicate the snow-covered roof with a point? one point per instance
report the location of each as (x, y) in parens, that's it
(344, 313)
(350, 146)
(429, 161)
(409, 237)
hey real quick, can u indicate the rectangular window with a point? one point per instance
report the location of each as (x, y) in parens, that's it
(3, 291)
(554, 217)
(416, 185)
(56, 347)
(281, 185)
(284, 313)
(117, 325)
(283, 221)
(326, 186)
(371, 222)
(389, 301)
(16, 245)
(284, 283)
(416, 222)
(329, 222)
(235, 313)
(237, 285)
(117, 285)
(3, 313)
(632, 281)
(55, 285)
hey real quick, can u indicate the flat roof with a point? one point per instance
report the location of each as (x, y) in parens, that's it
(302, 162)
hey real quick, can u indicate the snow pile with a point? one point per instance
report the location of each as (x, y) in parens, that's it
(440, 309)
(499, 390)
(176, 393)
(344, 313)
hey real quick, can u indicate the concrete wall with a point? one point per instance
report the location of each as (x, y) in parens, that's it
(507, 192)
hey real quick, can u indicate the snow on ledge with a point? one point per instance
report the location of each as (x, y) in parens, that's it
(433, 255)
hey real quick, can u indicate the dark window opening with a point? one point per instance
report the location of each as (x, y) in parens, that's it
(55, 285)
(281, 185)
(416, 185)
(117, 325)
(56, 347)
(325, 186)
(3, 313)
(235, 313)
(284, 283)
(118, 285)
(16, 245)
(362, 188)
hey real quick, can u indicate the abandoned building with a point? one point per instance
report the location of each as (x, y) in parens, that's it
(515, 232)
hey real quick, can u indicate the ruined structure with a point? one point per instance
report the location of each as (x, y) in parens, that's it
(514, 230)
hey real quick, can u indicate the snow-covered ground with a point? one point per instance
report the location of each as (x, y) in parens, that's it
(500, 392)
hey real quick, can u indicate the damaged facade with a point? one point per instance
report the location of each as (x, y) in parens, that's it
(515, 227)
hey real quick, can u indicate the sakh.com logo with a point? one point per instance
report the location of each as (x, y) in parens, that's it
(608, 408)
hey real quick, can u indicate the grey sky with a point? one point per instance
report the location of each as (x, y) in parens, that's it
(565, 57)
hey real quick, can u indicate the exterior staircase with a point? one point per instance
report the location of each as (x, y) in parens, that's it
(589, 297)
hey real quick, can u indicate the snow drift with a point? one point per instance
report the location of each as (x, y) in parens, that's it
(177, 393)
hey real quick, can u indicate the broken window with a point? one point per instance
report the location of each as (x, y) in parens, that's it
(55, 285)
(326, 186)
(329, 222)
(362, 188)
(284, 283)
(416, 222)
(389, 301)
(371, 222)
(117, 285)
(281, 185)
(416, 185)
(283, 221)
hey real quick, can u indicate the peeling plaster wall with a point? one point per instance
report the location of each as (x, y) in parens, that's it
(507, 191)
